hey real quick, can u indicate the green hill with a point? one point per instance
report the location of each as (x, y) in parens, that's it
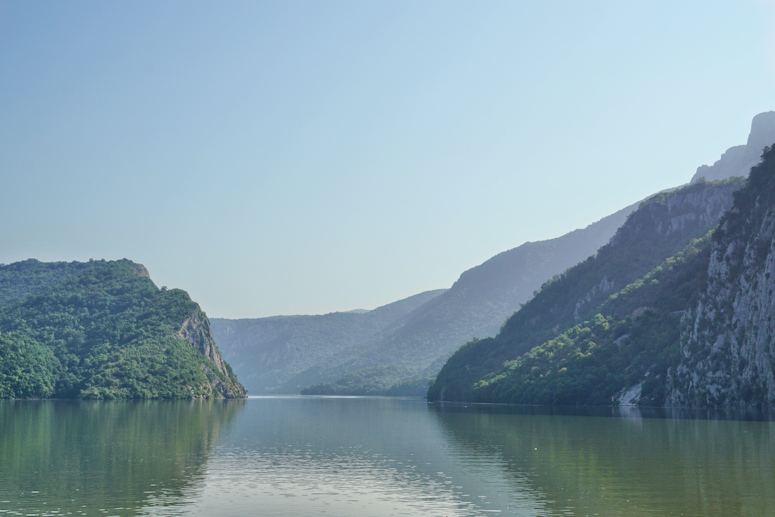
(104, 330)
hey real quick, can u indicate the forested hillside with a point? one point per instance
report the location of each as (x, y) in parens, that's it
(104, 330)
(550, 351)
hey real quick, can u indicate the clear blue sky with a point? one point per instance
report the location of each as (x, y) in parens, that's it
(308, 157)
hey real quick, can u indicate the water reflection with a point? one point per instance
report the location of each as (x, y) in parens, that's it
(370, 456)
(641, 463)
(114, 458)
(348, 457)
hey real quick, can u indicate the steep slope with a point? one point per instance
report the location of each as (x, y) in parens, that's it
(728, 340)
(104, 330)
(267, 352)
(661, 228)
(622, 354)
(738, 160)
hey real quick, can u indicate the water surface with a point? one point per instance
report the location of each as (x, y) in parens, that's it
(298, 456)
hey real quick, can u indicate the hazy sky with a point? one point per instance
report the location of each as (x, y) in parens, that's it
(308, 157)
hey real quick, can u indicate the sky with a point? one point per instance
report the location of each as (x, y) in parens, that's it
(306, 157)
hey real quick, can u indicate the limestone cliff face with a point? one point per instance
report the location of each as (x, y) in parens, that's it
(728, 339)
(196, 330)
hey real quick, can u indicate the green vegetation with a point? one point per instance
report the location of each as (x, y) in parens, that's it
(595, 360)
(103, 332)
(383, 380)
(22, 279)
(605, 324)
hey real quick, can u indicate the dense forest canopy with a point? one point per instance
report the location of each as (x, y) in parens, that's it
(100, 330)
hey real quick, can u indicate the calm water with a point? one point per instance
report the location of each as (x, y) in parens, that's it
(299, 456)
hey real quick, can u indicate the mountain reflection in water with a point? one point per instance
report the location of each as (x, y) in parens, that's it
(109, 458)
(377, 456)
(640, 462)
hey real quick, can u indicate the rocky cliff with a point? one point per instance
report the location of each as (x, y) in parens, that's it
(738, 160)
(196, 330)
(728, 340)
(698, 329)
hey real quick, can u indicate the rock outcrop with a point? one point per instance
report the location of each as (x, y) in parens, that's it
(196, 330)
(738, 160)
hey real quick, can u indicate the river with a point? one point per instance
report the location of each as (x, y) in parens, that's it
(308, 456)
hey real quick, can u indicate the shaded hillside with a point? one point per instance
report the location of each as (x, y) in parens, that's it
(476, 306)
(738, 160)
(104, 330)
(661, 228)
(267, 352)
(127, 456)
(622, 354)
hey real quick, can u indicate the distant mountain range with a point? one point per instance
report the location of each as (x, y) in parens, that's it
(269, 352)
(402, 356)
(285, 354)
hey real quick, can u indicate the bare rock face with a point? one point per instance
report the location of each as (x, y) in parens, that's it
(141, 270)
(738, 160)
(196, 330)
(670, 215)
(728, 340)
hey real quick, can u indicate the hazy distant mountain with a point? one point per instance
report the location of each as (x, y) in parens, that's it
(475, 306)
(738, 160)
(288, 353)
(269, 351)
